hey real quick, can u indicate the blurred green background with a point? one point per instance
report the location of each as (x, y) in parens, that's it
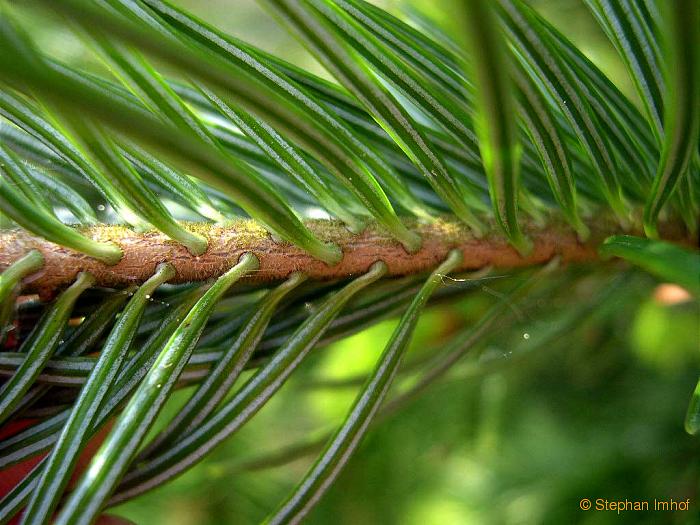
(559, 404)
(580, 393)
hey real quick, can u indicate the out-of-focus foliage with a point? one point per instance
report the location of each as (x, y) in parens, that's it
(518, 436)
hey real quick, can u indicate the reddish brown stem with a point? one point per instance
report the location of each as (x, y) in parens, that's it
(144, 251)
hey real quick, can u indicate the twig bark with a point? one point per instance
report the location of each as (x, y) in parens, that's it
(144, 251)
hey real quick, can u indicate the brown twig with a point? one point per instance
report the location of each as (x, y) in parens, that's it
(144, 251)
